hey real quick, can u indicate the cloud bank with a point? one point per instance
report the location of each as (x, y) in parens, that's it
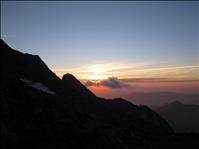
(111, 82)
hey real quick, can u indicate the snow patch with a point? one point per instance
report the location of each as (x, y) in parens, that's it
(26, 81)
(38, 86)
(41, 87)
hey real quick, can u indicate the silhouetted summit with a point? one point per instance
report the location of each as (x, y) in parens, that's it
(182, 117)
(40, 110)
(68, 76)
(16, 65)
(175, 103)
(76, 86)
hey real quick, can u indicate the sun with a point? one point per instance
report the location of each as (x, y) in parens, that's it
(96, 72)
(100, 71)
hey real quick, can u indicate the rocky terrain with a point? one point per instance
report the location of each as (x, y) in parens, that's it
(41, 111)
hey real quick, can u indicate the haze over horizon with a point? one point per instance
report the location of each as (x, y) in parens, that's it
(115, 48)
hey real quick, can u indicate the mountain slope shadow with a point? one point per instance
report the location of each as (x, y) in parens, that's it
(39, 110)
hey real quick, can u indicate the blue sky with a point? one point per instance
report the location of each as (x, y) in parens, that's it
(69, 35)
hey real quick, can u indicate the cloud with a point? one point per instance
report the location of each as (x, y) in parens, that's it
(111, 82)
(172, 72)
(90, 83)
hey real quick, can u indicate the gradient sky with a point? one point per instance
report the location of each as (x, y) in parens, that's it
(98, 40)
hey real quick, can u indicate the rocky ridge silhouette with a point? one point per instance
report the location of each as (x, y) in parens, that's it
(39, 110)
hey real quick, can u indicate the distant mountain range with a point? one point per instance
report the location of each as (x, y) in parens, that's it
(39, 110)
(182, 117)
(157, 99)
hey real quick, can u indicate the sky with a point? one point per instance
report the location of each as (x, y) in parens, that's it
(114, 48)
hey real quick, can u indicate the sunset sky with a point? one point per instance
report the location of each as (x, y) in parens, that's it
(115, 48)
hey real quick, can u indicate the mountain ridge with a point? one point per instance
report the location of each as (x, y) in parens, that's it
(36, 104)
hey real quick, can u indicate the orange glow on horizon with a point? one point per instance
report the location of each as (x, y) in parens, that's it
(140, 77)
(150, 86)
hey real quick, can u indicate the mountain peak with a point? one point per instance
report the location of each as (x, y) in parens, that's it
(70, 79)
(75, 85)
(68, 76)
(176, 103)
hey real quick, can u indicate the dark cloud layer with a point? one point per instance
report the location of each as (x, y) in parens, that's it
(111, 82)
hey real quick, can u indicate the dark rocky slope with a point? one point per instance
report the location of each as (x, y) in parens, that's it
(39, 110)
